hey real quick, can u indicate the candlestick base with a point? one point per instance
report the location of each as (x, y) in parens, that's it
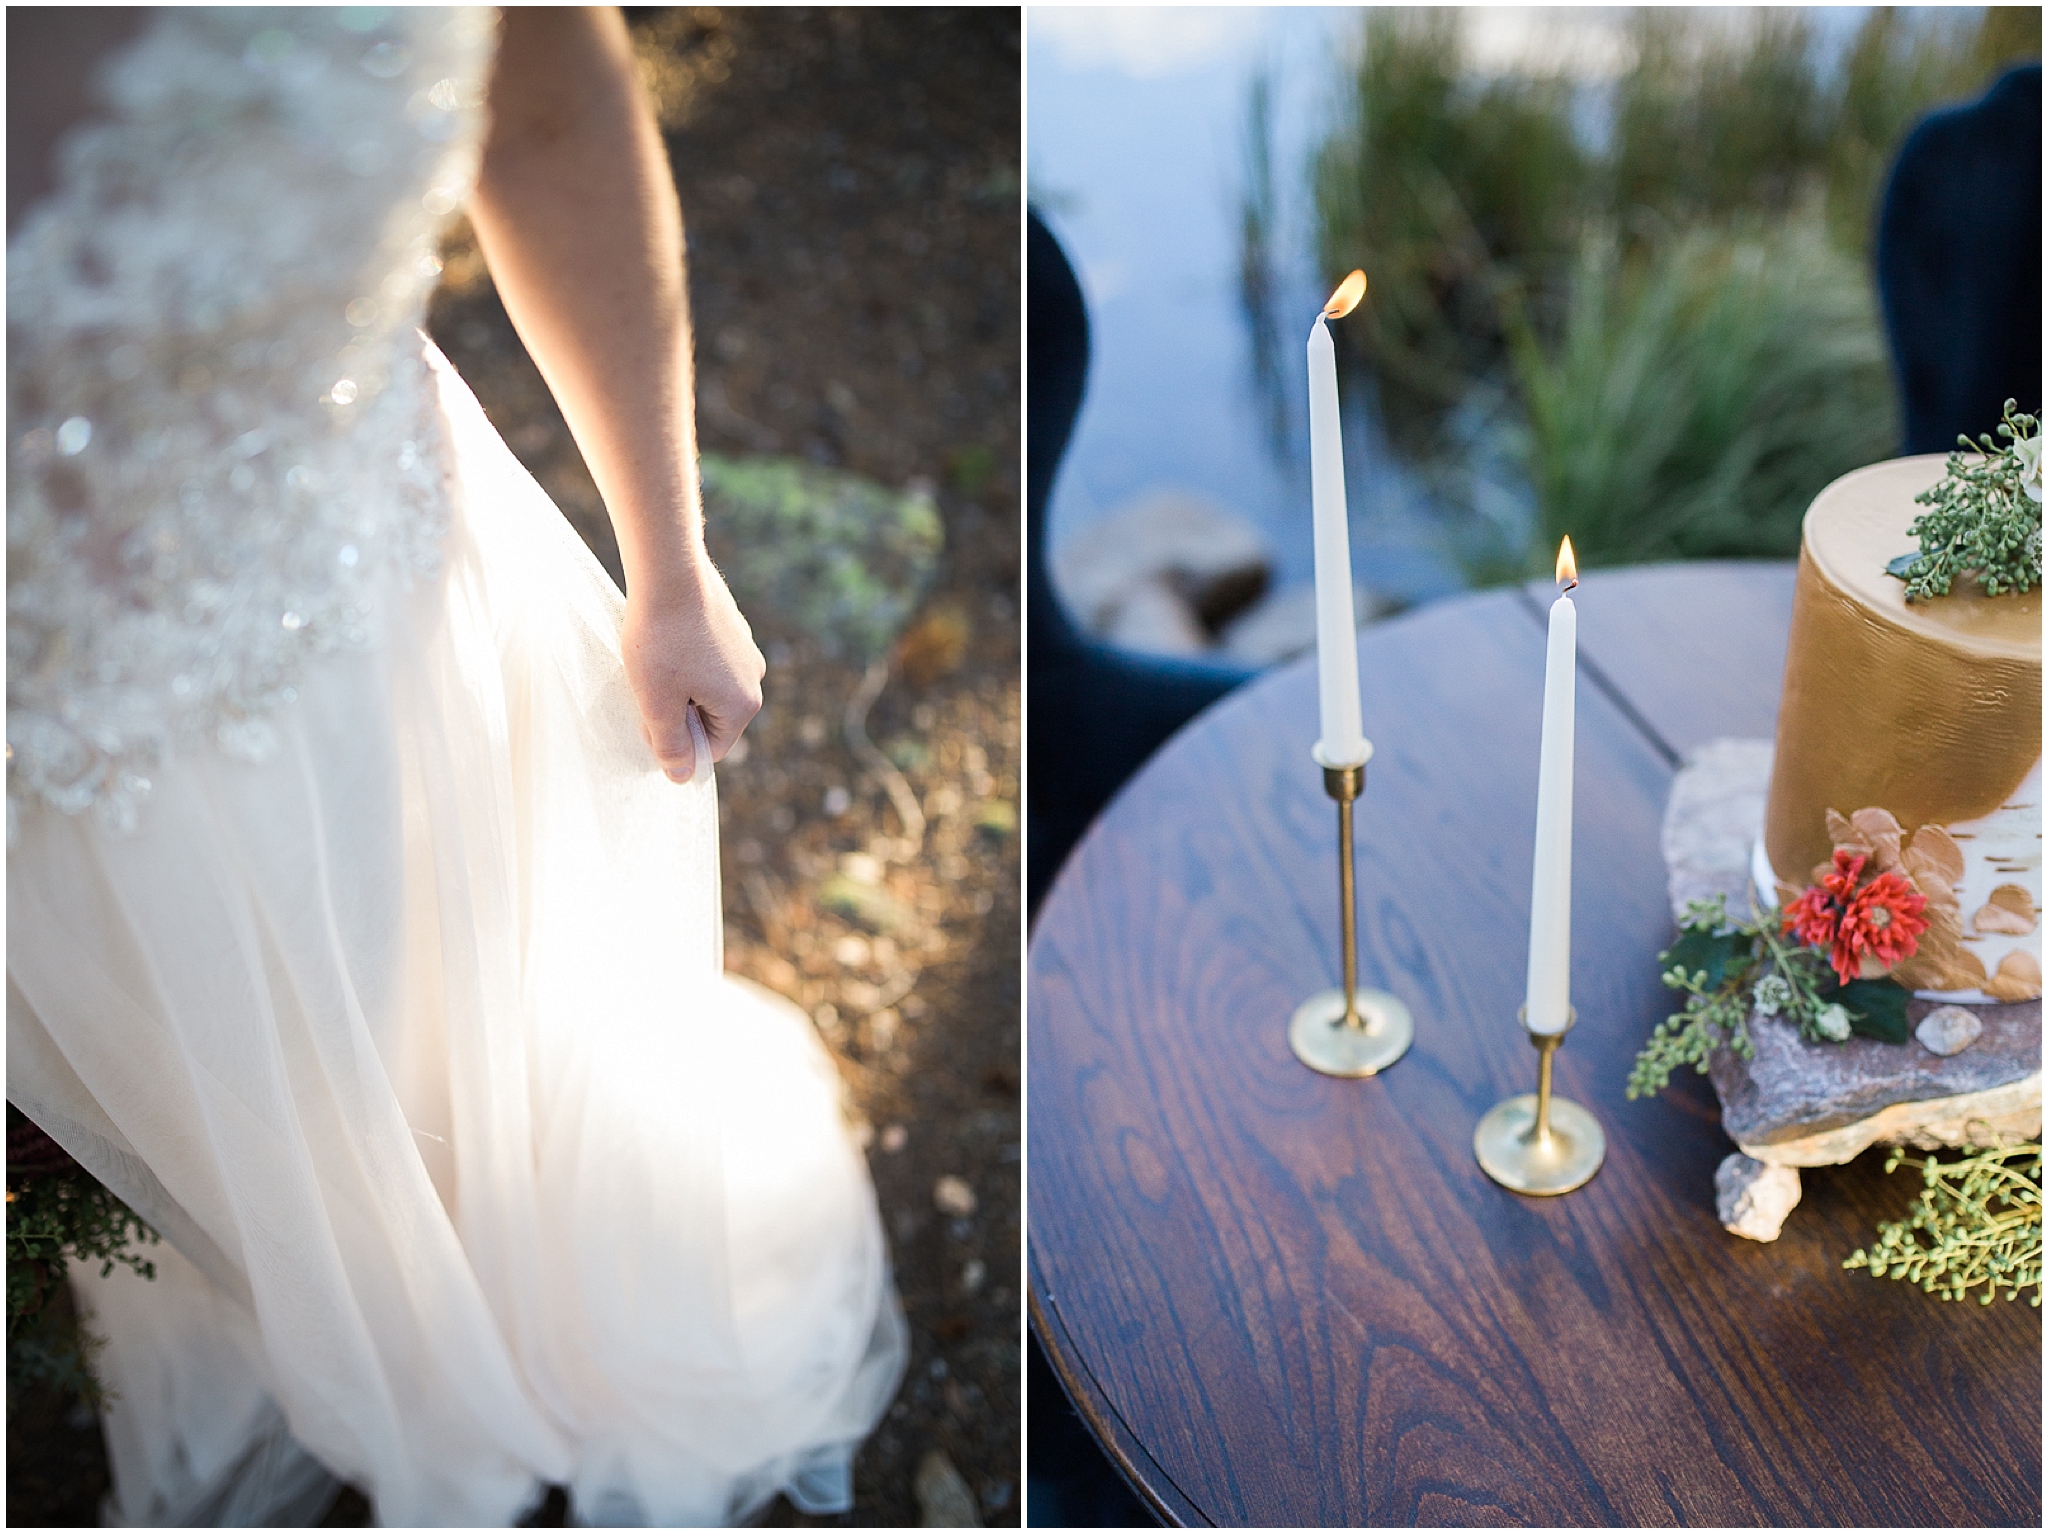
(1323, 1042)
(1539, 1142)
(1510, 1153)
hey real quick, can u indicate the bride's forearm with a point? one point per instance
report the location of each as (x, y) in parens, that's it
(578, 219)
(577, 216)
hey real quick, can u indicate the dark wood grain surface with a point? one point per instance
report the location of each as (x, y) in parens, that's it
(1284, 1299)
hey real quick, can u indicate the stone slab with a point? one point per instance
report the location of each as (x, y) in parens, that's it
(1804, 1104)
(2007, 1115)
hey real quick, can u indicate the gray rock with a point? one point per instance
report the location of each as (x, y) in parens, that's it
(1152, 615)
(1949, 1030)
(1753, 1197)
(1213, 560)
(943, 1498)
(1793, 1090)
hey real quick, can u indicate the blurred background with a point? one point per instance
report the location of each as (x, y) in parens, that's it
(850, 189)
(1620, 261)
(1633, 275)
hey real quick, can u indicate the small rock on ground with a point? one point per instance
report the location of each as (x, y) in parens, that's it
(1753, 1197)
(943, 1498)
(1151, 615)
(1949, 1030)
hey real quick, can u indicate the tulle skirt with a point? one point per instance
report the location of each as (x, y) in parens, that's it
(413, 1041)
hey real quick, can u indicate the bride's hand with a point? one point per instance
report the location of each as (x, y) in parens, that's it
(684, 644)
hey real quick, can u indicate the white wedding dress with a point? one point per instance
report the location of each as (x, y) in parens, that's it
(354, 937)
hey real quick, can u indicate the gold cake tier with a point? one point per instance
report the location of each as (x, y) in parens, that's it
(1931, 710)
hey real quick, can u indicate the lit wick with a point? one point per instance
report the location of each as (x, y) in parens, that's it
(1346, 298)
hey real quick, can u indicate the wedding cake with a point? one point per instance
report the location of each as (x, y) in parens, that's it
(1909, 736)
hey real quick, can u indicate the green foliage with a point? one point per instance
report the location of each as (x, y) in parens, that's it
(1681, 311)
(839, 557)
(1442, 186)
(1876, 1008)
(1714, 1017)
(1975, 1226)
(53, 1217)
(1730, 970)
(1697, 397)
(1710, 122)
(1983, 522)
(1711, 952)
(1257, 287)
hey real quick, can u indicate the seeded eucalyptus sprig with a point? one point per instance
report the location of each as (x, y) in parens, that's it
(1986, 516)
(1976, 1225)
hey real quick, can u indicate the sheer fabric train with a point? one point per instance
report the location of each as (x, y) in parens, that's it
(412, 1039)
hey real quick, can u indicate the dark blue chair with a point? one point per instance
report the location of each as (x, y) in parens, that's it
(1959, 263)
(1094, 712)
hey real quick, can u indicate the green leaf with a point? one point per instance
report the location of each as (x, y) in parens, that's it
(1902, 567)
(1701, 948)
(1876, 1008)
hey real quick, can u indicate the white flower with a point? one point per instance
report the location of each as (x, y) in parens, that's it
(2029, 455)
(1833, 1022)
(1772, 992)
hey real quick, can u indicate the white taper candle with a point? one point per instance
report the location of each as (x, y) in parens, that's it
(1343, 737)
(1550, 896)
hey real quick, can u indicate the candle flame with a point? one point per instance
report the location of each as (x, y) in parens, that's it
(1567, 565)
(1346, 298)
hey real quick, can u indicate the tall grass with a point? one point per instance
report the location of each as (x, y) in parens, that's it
(1257, 279)
(1679, 307)
(1442, 187)
(1711, 122)
(1698, 397)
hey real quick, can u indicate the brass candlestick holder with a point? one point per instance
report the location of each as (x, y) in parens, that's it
(1349, 1032)
(1540, 1143)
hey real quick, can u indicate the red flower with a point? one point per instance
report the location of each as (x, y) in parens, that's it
(1816, 915)
(1880, 923)
(1883, 923)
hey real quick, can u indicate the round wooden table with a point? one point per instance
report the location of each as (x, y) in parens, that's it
(1283, 1298)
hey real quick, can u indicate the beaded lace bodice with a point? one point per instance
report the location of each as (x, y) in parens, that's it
(222, 441)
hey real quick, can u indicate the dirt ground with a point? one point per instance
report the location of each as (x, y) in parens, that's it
(850, 185)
